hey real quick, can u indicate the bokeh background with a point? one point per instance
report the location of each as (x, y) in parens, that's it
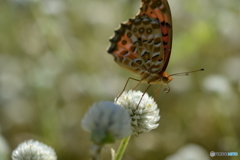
(54, 66)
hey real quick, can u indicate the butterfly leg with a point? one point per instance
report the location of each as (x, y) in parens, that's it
(149, 85)
(126, 86)
(137, 85)
(156, 92)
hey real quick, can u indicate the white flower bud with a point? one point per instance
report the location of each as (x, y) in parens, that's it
(106, 122)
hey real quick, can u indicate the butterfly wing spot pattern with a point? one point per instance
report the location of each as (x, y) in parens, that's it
(142, 45)
(138, 46)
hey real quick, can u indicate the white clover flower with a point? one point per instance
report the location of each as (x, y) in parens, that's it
(145, 116)
(33, 150)
(106, 122)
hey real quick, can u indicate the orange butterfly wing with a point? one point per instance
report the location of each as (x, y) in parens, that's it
(136, 46)
(143, 44)
(160, 10)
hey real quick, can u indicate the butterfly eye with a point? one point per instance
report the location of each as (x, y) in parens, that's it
(165, 80)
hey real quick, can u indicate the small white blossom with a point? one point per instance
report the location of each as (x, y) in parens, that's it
(145, 116)
(106, 122)
(190, 152)
(33, 150)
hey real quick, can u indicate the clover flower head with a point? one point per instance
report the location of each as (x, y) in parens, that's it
(33, 150)
(145, 116)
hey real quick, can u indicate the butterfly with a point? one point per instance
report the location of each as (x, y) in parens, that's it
(143, 44)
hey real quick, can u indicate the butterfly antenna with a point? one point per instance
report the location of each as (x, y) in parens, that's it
(186, 73)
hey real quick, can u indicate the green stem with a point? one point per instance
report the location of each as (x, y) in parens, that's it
(122, 148)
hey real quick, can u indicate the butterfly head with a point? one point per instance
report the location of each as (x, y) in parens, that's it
(165, 78)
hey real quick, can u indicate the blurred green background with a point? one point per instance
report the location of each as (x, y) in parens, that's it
(54, 65)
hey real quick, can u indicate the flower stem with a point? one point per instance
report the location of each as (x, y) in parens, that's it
(122, 148)
(95, 152)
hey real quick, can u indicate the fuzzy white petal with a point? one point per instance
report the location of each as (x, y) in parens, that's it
(145, 116)
(33, 150)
